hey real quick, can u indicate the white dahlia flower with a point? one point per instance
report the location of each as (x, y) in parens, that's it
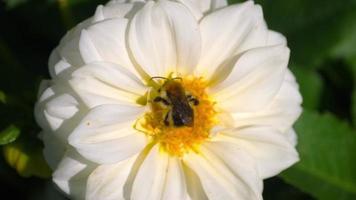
(171, 100)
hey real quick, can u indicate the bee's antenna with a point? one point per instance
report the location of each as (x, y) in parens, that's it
(179, 78)
(155, 77)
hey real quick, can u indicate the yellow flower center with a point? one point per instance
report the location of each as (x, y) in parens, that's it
(181, 114)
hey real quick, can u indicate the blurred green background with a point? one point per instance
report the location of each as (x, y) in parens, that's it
(322, 38)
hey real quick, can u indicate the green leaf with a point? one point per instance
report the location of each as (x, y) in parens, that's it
(352, 64)
(313, 28)
(353, 111)
(346, 46)
(10, 4)
(2, 97)
(26, 158)
(327, 149)
(9, 135)
(310, 86)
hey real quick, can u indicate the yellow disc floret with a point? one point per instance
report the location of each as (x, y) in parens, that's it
(159, 124)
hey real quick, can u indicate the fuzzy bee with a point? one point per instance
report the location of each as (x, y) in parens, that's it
(173, 95)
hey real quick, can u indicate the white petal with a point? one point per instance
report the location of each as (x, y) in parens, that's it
(292, 137)
(113, 10)
(54, 58)
(151, 42)
(118, 9)
(44, 91)
(105, 41)
(68, 48)
(47, 93)
(107, 181)
(87, 49)
(280, 114)
(72, 174)
(254, 80)
(150, 179)
(63, 106)
(75, 32)
(67, 54)
(164, 38)
(112, 2)
(223, 33)
(106, 135)
(216, 4)
(54, 107)
(58, 65)
(106, 83)
(258, 35)
(240, 163)
(60, 68)
(99, 14)
(275, 38)
(59, 109)
(54, 149)
(69, 51)
(271, 149)
(218, 179)
(196, 7)
(186, 36)
(53, 122)
(201, 7)
(58, 112)
(175, 185)
(194, 186)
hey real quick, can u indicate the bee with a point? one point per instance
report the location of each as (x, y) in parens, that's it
(173, 95)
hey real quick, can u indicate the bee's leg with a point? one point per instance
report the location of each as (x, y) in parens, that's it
(193, 100)
(160, 99)
(166, 119)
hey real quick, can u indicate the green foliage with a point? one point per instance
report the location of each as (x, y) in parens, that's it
(354, 107)
(2, 97)
(345, 48)
(10, 4)
(313, 28)
(26, 158)
(327, 149)
(352, 64)
(310, 86)
(9, 135)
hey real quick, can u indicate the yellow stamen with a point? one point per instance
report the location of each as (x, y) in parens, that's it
(179, 140)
